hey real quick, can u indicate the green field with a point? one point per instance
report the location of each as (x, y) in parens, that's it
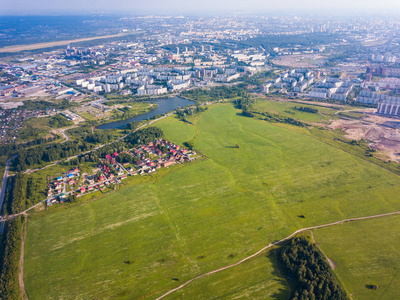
(365, 253)
(145, 239)
(287, 109)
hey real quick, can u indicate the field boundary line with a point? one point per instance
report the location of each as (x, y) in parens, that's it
(274, 244)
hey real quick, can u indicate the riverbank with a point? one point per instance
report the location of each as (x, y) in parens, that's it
(163, 106)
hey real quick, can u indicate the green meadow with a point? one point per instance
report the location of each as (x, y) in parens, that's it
(365, 253)
(287, 109)
(145, 239)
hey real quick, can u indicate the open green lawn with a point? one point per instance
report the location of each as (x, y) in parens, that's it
(366, 253)
(138, 241)
(258, 278)
(177, 131)
(286, 109)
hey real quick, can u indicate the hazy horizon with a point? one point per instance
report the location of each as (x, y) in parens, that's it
(190, 7)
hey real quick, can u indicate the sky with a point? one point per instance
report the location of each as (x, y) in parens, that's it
(215, 7)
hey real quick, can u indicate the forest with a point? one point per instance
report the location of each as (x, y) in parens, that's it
(214, 93)
(309, 271)
(25, 191)
(10, 249)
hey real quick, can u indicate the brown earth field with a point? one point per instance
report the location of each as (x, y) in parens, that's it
(382, 132)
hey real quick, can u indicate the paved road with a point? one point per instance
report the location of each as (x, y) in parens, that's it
(3, 191)
(63, 130)
(274, 244)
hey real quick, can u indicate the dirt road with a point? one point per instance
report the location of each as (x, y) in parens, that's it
(274, 244)
(21, 260)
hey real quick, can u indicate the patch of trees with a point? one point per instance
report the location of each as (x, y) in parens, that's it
(99, 137)
(80, 131)
(132, 125)
(25, 192)
(111, 148)
(11, 251)
(59, 121)
(189, 144)
(279, 119)
(126, 158)
(311, 275)
(307, 109)
(43, 105)
(29, 133)
(189, 111)
(215, 93)
(247, 114)
(12, 148)
(244, 103)
(44, 154)
(144, 136)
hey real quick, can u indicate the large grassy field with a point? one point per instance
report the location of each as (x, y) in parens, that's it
(145, 239)
(366, 253)
(287, 109)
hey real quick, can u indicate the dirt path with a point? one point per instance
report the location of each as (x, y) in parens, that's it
(333, 266)
(21, 260)
(331, 263)
(274, 244)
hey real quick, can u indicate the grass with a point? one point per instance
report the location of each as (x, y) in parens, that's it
(34, 128)
(365, 253)
(256, 279)
(135, 241)
(177, 130)
(286, 109)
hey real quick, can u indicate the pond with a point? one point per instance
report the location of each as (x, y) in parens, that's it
(164, 106)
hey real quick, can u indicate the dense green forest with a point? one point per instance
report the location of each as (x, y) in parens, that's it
(144, 136)
(215, 93)
(10, 247)
(189, 111)
(43, 105)
(42, 154)
(59, 121)
(25, 191)
(309, 272)
(48, 153)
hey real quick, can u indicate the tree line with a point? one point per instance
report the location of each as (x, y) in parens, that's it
(215, 93)
(307, 109)
(48, 153)
(25, 191)
(11, 244)
(310, 273)
(189, 111)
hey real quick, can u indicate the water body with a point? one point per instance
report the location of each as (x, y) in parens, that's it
(164, 106)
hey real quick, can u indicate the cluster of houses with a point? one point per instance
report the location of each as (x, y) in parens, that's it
(59, 188)
(145, 159)
(157, 154)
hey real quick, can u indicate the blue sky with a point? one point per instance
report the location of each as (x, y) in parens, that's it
(199, 6)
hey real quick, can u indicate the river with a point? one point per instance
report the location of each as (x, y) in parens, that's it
(164, 106)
